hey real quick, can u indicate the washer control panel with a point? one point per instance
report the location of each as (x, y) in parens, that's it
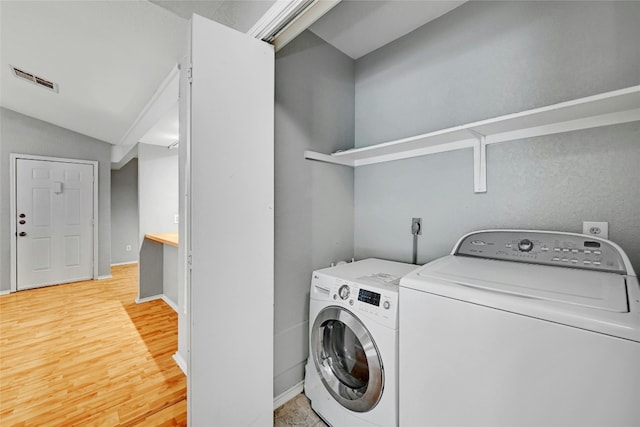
(548, 248)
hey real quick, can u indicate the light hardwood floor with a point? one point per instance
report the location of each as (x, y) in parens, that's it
(85, 354)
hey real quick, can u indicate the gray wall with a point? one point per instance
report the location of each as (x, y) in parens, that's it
(157, 189)
(313, 201)
(26, 135)
(170, 274)
(124, 213)
(482, 60)
(151, 269)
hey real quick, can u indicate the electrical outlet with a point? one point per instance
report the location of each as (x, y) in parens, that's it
(176, 219)
(127, 248)
(596, 228)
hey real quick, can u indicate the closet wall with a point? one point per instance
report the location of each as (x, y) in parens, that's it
(313, 201)
(124, 213)
(482, 60)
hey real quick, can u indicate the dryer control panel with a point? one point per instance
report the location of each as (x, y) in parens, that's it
(379, 303)
(367, 288)
(542, 247)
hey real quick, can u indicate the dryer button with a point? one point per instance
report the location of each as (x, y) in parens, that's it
(350, 302)
(344, 291)
(386, 305)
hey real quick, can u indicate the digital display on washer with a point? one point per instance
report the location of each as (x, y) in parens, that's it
(369, 297)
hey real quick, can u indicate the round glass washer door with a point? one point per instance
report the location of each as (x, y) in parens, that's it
(347, 359)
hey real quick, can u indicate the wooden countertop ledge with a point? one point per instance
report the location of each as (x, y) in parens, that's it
(166, 238)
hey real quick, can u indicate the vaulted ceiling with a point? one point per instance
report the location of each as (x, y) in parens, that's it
(108, 58)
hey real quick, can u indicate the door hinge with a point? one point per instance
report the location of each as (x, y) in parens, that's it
(190, 74)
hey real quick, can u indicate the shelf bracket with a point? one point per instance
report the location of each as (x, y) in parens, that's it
(479, 162)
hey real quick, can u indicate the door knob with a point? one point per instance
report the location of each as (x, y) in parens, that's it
(22, 233)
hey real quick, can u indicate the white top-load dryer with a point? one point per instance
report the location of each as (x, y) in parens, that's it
(521, 328)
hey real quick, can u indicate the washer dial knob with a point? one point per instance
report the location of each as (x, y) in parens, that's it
(525, 245)
(344, 292)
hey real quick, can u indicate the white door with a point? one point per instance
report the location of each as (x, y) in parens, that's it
(54, 222)
(229, 209)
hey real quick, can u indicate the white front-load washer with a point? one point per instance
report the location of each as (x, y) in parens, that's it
(521, 328)
(351, 373)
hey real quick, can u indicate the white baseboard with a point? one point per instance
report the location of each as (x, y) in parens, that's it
(147, 299)
(5, 292)
(123, 263)
(106, 276)
(163, 297)
(170, 303)
(286, 396)
(182, 364)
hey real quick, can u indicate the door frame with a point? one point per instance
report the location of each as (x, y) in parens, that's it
(13, 157)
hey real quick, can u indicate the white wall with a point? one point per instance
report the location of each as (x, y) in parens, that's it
(157, 189)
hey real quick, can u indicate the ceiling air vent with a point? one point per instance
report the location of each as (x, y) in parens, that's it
(36, 80)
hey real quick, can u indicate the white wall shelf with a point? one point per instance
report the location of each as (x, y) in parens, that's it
(610, 108)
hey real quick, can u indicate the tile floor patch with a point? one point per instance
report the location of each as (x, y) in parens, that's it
(297, 412)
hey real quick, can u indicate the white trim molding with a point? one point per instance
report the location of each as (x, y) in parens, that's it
(163, 297)
(164, 98)
(170, 303)
(123, 263)
(147, 299)
(5, 292)
(287, 395)
(182, 364)
(286, 19)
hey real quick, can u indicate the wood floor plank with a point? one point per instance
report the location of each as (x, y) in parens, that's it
(85, 354)
(172, 415)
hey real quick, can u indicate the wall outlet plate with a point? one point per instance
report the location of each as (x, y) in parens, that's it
(176, 219)
(596, 228)
(127, 248)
